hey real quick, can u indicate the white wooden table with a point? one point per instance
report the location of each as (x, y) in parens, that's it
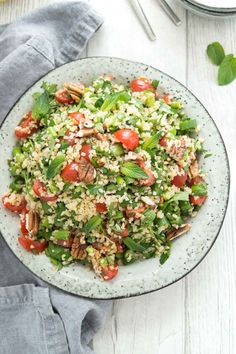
(197, 315)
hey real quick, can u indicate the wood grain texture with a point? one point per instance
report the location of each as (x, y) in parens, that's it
(197, 315)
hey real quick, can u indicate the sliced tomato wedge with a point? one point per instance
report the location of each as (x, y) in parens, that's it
(62, 96)
(197, 200)
(151, 178)
(167, 99)
(77, 117)
(41, 191)
(129, 138)
(70, 172)
(141, 84)
(84, 152)
(27, 126)
(31, 245)
(195, 180)
(101, 207)
(163, 141)
(125, 232)
(109, 272)
(64, 243)
(14, 207)
(119, 248)
(23, 228)
(179, 180)
(70, 138)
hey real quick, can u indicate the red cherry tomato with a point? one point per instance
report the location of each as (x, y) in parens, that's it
(101, 207)
(15, 208)
(195, 180)
(163, 141)
(167, 99)
(41, 191)
(77, 117)
(128, 138)
(31, 245)
(197, 200)
(27, 126)
(62, 96)
(141, 84)
(70, 138)
(151, 178)
(179, 180)
(64, 243)
(23, 228)
(125, 232)
(119, 248)
(109, 272)
(84, 152)
(70, 172)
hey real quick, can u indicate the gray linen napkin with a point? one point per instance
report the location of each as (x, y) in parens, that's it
(35, 317)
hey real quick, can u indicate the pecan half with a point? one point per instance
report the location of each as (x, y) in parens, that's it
(85, 132)
(193, 169)
(78, 249)
(33, 220)
(86, 172)
(75, 90)
(172, 234)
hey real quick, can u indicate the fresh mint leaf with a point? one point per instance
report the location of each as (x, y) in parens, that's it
(199, 189)
(188, 124)
(132, 245)
(111, 101)
(132, 170)
(55, 166)
(93, 223)
(215, 53)
(152, 142)
(227, 70)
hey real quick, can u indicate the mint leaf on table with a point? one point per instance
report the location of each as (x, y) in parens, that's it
(215, 53)
(227, 70)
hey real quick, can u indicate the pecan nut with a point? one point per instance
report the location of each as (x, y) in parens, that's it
(86, 172)
(78, 250)
(172, 234)
(33, 221)
(193, 169)
(75, 90)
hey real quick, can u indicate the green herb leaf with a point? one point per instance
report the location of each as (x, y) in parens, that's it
(132, 245)
(93, 188)
(55, 166)
(57, 252)
(61, 234)
(164, 257)
(199, 189)
(188, 124)
(152, 142)
(215, 53)
(132, 170)
(41, 105)
(155, 83)
(110, 102)
(227, 70)
(149, 216)
(93, 223)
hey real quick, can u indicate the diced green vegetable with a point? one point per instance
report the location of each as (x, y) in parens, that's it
(61, 234)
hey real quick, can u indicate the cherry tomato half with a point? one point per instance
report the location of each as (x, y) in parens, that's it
(77, 117)
(62, 96)
(125, 232)
(23, 228)
(84, 152)
(129, 138)
(167, 99)
(141, 84)
(70, 172)
(27, 126)
(197, 200)
(109, 272)
(31, 245)
(101, 207)
(179, 180)
(41, 191)
(15, 208)
(163, 141)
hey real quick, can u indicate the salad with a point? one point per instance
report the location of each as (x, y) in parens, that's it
(105, 174)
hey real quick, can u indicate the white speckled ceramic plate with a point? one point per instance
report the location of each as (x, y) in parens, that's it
(187, 251)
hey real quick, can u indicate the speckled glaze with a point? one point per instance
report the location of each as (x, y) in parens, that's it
(187, 251)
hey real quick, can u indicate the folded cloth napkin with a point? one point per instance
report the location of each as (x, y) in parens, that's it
(35, 317)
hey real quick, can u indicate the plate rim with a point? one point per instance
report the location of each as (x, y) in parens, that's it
(228, 180)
